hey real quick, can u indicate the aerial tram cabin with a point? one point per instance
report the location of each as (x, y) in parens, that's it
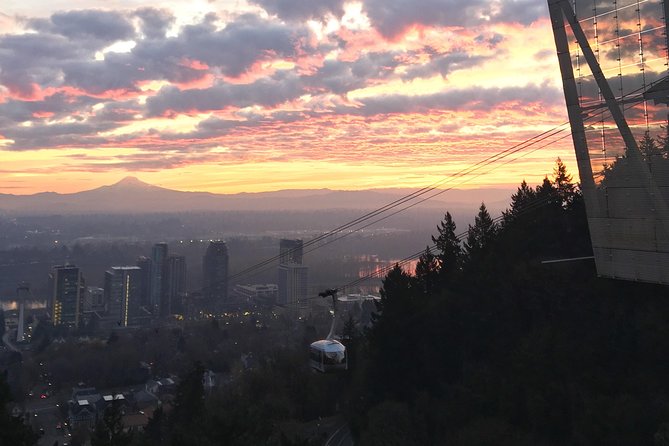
(328, 355)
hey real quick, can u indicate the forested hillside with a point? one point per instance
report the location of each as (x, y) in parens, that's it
(485, 345)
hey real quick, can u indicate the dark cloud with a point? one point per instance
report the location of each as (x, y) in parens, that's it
(340, 77)
(172, 100)
(155, 22)
(56, 106)
(38, 131)
(123, 71)
(233, 50)
(29, 61)
(146, 161)
(106, 26)
(464, 99)
(302, 9)
(544, 54)
(444, 64)
(238, 46)
(491, 39)
(39, 136)
(521, 11)
(45, 59)
(266, 92)
(333, 77)
(216, 126)
(393, 17)
(629, 85)
(117, 112)
(116, 72)
(375, 65)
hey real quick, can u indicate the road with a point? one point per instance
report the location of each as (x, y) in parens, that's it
(46, 415)
(341, 437)
(8, 343)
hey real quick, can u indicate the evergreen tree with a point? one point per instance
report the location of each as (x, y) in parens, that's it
(386, 337)
(154, 432)
(188, 413)
(564, 188)
(109, 430)
(448, 247)
(520, 202)
(350, 336)
(481, 234)
(663, 141)
(545, 189)
(427, 271)
(395, 293)
(13, 431)
(394, 289)
(349, 331)
(548, 195)
(649, 148)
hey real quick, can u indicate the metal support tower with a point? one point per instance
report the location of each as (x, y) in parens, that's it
(628, 213)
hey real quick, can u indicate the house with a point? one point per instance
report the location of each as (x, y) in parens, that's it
(82, 413)
(135, 422)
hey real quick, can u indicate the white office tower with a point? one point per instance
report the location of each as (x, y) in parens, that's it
(293, 280)
(22, 294)
(292, 275)
(123, 288)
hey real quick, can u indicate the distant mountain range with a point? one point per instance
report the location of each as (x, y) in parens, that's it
(133, 196)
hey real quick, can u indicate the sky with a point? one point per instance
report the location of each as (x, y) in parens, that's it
(235, 96)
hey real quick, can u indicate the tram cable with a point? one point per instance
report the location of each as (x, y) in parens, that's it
(533, 206)
(270, 262)
(407, 260)
(460, 237)
(415, 195)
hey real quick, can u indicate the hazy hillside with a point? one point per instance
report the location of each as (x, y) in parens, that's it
(131, 195)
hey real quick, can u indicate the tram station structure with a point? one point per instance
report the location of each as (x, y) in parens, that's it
(613, 57)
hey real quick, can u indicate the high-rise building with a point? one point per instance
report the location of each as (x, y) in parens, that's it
(67, 290)
(144, 264)
(292, 283)
(22, 294)
(292, 275)
(215, 272)
(175, 285)
(290, 251)
(123, 288)
(158, 260)
(95, 299)
(263, 294)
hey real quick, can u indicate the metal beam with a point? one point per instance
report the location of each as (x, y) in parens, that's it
(573, 106)
(633, 153)
(573, 259)
(666, 19)
(602, 83)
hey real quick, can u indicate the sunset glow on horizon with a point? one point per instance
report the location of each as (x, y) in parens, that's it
(259, 95)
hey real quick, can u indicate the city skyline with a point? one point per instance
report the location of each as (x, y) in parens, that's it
(259, 95)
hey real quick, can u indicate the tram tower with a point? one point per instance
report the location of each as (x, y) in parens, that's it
(613, 57)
